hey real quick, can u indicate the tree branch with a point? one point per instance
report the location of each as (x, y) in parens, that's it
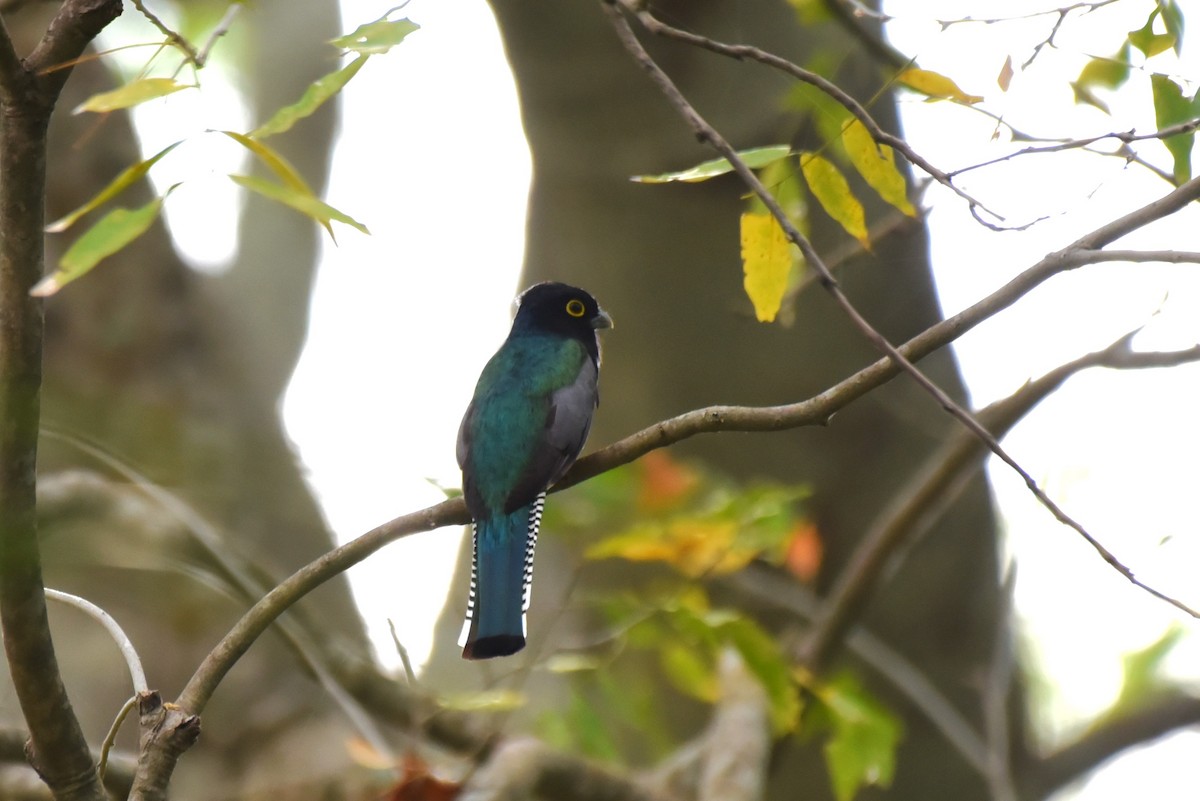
(118, 778)
(1039, 778)
(526, 768)
(73, 28)
(937, 483)
(58, 749)
(14, 80)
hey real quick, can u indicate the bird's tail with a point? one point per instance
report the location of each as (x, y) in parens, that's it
(501, 577)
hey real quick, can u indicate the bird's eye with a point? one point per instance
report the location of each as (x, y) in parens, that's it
(575, 308)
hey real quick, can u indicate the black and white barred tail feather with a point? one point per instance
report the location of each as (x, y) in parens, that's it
(501, 582)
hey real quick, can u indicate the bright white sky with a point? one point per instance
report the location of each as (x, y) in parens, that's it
(403, 320)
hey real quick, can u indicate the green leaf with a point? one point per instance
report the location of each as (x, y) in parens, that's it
(829, 116)
(313, 98)
(111, 233)
(811, 12)
(766, 661)
(1173, 21)
(862, 748)
(127, 178)
(935, 85)
(274, 161)
(1149, 42)
(876, 163)
(685, 668)
(1109, 73)
(590, 732)
(754, 158)
(691, 663)
(832, 191)
(304, 202)
(1171, 107)
(376, 38)
(1106, 73)
(1085, 96)
(131, 94)
(1143, 670)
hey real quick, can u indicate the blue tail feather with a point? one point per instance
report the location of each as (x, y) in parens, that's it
(501, 578)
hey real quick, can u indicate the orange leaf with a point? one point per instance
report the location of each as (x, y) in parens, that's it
(804, 552)
(666, 483)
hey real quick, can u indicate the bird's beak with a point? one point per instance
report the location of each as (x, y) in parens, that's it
(601, 320)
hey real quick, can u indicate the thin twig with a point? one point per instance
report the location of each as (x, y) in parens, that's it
(173, 37)
(706, 133)
(409, 673)
(222, 28)
(132, 660)
(111, 737)
(1125, 137)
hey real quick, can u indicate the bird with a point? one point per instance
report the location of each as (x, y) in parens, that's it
(524, 427)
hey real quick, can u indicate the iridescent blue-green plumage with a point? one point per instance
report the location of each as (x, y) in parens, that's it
(525, 426)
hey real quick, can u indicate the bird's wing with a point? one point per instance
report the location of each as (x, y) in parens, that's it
(568, 419)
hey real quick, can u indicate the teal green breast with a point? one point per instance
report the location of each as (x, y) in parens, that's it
(512, 400)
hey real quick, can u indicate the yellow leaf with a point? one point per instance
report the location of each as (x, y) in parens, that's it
(831, 190)
(273, 160)
(766, 262)
(302, 201)
(694, 546)
(128, 177)
(877, 165)
(494, 700)
(935, 85)
(131, 94)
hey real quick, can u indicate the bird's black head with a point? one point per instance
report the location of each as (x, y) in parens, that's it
(561, 309)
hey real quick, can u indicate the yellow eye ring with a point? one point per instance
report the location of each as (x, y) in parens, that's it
(575, 308)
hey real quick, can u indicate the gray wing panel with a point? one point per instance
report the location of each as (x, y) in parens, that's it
(567, 425)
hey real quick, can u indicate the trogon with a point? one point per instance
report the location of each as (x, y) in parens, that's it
(523, 429)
